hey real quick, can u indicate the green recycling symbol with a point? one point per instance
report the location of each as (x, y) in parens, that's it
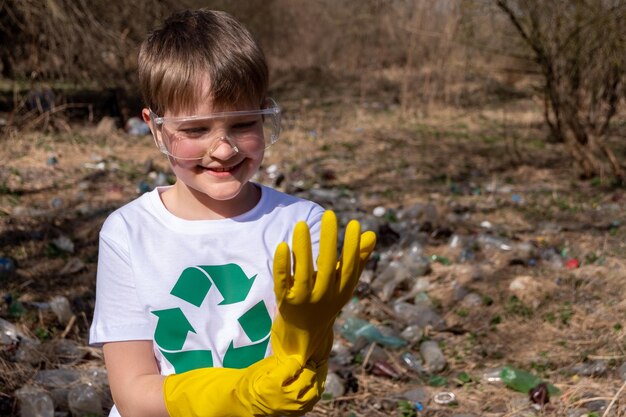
(192, 286)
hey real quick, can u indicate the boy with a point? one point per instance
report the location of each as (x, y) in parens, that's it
(196, 314)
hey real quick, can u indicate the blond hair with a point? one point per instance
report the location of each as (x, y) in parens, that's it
(193, 45)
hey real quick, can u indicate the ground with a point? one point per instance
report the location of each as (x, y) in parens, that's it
(486, 171)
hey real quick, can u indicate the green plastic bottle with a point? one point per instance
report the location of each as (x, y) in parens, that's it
(523, 381)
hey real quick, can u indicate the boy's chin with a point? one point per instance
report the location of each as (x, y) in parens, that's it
(227, 191)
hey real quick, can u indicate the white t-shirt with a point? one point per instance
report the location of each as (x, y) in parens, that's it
(201, 290)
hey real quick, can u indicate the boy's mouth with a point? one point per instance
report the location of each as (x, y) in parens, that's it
(220, 170)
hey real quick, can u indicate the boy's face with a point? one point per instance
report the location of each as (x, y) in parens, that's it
(222, 159)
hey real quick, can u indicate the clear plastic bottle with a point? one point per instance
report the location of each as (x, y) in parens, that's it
(353, 328)
(84, 401)
(8, 333)
(60, 306)
(34, 402)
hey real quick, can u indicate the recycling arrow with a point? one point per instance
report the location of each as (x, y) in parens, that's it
(189, 359)
(193, 286)
(256, 324)
(231, 282)
(172, 328)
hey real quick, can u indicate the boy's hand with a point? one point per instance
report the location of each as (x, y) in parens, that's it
(272, 387)
(309, 301)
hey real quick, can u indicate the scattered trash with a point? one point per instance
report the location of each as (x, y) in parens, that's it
(56, 203)
(64, 243)
(540, 394)
(523, 381)
(52, 160)
(34, 402)
(84, 401)
(572, 263)
(136, 127)
(412, 362)
(444, 398)
(7, 267)
(72, 266)
(434, 359)
(379, 211)
(143, 187)
(382, 368)
(334, 386)
(61, 308)
(354, 328)
(8, 332)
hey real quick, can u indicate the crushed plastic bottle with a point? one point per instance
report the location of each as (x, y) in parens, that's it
(8, 332)
(84, 401)
(412, 333)
(57, 378)
(495, 241)
(523, 381)
(334, 386)
(434, 358)
(412, 362)
(64, 243)
(390, 278)
(60, 305)
(354, 328)
(34, 402)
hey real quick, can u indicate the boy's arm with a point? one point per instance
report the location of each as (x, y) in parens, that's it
(136, 384)
(273, 386)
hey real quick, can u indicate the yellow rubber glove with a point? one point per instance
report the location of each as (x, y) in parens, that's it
(271, 387)
(309, 301)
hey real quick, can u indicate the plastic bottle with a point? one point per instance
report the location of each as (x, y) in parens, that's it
(334, 386)
(523, 381)
(434, 358)
(34, 402)
(8, 333)
(412, 362)
(84, 401)
(60, 305)
(353, 328)
(389, 279)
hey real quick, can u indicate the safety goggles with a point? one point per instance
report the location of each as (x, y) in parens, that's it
(247, 132)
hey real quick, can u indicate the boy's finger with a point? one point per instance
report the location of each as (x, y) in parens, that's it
(303, 264)
(327, 259)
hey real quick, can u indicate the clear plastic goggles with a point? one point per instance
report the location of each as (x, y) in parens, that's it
(247, 132)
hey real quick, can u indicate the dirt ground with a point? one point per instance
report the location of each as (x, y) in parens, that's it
(474, 166)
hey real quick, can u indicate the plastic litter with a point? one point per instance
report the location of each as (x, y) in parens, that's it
(444, 398)
(7, 267)
(523, 381)
(34, 402)
(8, 332)
(60, 305)
(84, 401)
(354, 328)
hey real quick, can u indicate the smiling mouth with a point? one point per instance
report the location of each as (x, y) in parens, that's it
(221, 169)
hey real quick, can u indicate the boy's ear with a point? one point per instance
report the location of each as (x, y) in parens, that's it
(145, 114)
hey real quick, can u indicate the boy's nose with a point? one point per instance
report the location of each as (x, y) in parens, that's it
(223, 148)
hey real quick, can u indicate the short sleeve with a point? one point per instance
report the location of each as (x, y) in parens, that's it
(118, 315)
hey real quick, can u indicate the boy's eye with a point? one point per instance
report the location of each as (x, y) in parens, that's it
(194, 131)
(245, 125)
